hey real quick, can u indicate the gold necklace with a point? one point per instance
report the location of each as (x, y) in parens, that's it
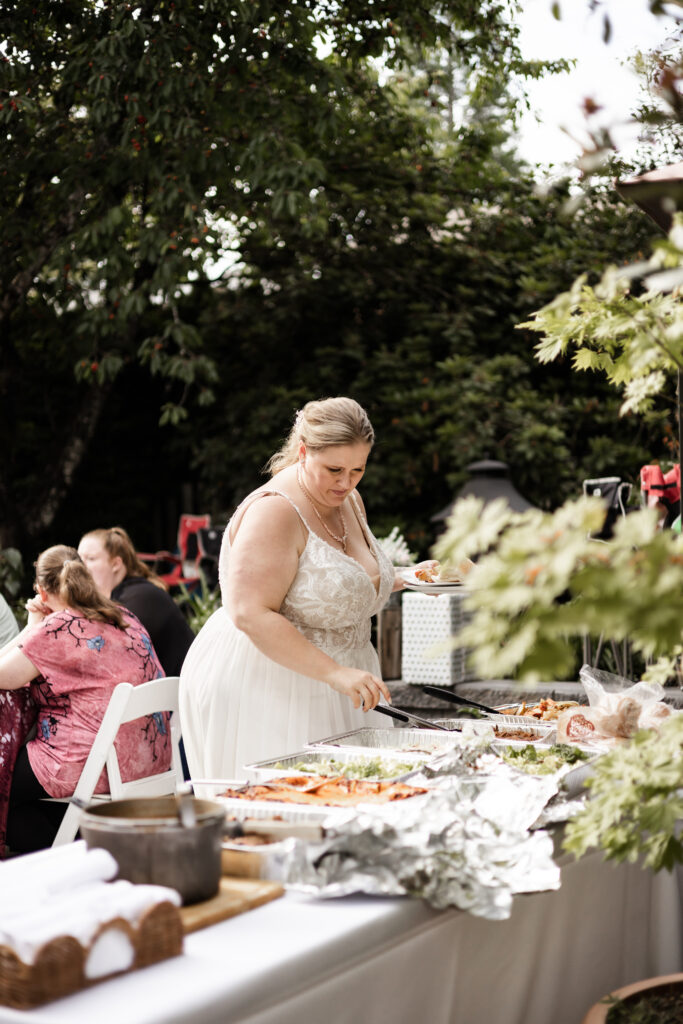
(345, 536)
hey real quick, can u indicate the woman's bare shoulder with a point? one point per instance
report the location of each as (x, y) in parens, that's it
(270, 510)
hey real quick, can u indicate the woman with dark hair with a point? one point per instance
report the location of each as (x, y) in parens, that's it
(121, 574)
(76, 648)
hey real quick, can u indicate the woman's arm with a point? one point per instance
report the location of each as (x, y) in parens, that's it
(15, 669)
(264, 558)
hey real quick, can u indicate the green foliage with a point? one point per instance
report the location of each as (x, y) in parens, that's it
(148, 145)
(416, 320)
(199, 603)
(636, 802)
(541, 580)
(208, 199)
(656, 1004)
(635, 340)
(11, 573)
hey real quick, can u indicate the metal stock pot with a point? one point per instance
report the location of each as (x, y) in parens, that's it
(151, 844)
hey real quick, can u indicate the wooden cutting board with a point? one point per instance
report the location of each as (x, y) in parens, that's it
(234, 896)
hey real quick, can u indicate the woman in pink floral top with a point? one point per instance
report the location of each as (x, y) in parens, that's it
(77, 647)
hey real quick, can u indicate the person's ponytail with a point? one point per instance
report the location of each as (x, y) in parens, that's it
(60, 571)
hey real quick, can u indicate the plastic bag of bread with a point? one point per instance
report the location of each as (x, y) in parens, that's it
(653, 714)
(583, 724)
(616, 710)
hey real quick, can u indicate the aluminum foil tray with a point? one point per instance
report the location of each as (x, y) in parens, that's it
(574, 781)
(519, 720)
(288, 765)
(572, 777)
(401, 741)
(240, 810)
(543, 735)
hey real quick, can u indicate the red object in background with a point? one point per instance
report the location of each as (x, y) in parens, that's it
(660, 488)
(181, 567)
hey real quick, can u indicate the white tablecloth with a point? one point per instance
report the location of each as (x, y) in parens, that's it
(364, 960)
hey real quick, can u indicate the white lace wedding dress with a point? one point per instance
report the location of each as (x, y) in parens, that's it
(238, 706)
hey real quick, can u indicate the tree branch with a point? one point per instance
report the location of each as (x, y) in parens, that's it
(42, 515)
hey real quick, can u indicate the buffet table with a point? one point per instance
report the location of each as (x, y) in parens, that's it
(300, 960)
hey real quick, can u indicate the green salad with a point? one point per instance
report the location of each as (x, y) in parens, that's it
(360, 768)
(543, 760)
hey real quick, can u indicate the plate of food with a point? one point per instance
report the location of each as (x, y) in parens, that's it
(437, 579)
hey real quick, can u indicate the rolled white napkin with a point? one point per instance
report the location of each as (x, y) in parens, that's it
(54, 870)
(32, 862)
(112, 951)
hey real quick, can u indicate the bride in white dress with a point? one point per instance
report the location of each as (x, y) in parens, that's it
(288, 658)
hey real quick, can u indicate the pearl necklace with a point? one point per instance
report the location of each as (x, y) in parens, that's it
(345, 536)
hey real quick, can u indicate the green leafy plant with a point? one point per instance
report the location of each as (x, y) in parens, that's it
(198, 604)
(11, 572)
(541, 581)
(661, 1005)
(636, 803)
(635, 340)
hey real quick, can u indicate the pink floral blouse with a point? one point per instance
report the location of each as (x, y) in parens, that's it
(80, 663)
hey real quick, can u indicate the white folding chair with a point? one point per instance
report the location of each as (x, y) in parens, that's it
(126, 703)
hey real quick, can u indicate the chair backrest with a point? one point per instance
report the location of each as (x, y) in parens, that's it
(209, 541)
(127, 703)
(188, 547)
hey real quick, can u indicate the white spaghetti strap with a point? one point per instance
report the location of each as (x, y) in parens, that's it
(254, 496)
(292, 503)
(362, 520)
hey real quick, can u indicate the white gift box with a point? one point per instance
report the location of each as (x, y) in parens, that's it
(427, 622)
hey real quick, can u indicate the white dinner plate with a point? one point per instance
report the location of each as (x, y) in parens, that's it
(442, 587)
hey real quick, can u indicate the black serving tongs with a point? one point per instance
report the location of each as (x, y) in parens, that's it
(408, 718)
(438, 691)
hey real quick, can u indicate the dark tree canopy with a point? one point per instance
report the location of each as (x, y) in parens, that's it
(215, 210)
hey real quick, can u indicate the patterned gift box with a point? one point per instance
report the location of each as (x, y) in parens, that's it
(427, 622)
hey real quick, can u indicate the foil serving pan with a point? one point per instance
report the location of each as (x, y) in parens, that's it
(243, 810)
(264, 861)
(326, 816)
(571, 777)
(400, 741)
(521, 721)
(404, 762)
(542, 735)
(574, 782)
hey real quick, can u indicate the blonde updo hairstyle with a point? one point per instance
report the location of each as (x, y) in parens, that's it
(116, 542)
(60, 571)
(323, 424)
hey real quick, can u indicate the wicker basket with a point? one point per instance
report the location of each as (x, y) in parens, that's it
(59, 968)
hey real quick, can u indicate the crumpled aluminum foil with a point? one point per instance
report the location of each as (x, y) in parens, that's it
(464, 844)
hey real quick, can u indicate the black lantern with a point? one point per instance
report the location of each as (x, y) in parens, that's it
(489, 480)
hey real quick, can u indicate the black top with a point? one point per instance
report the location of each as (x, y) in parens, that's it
(162, 618)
